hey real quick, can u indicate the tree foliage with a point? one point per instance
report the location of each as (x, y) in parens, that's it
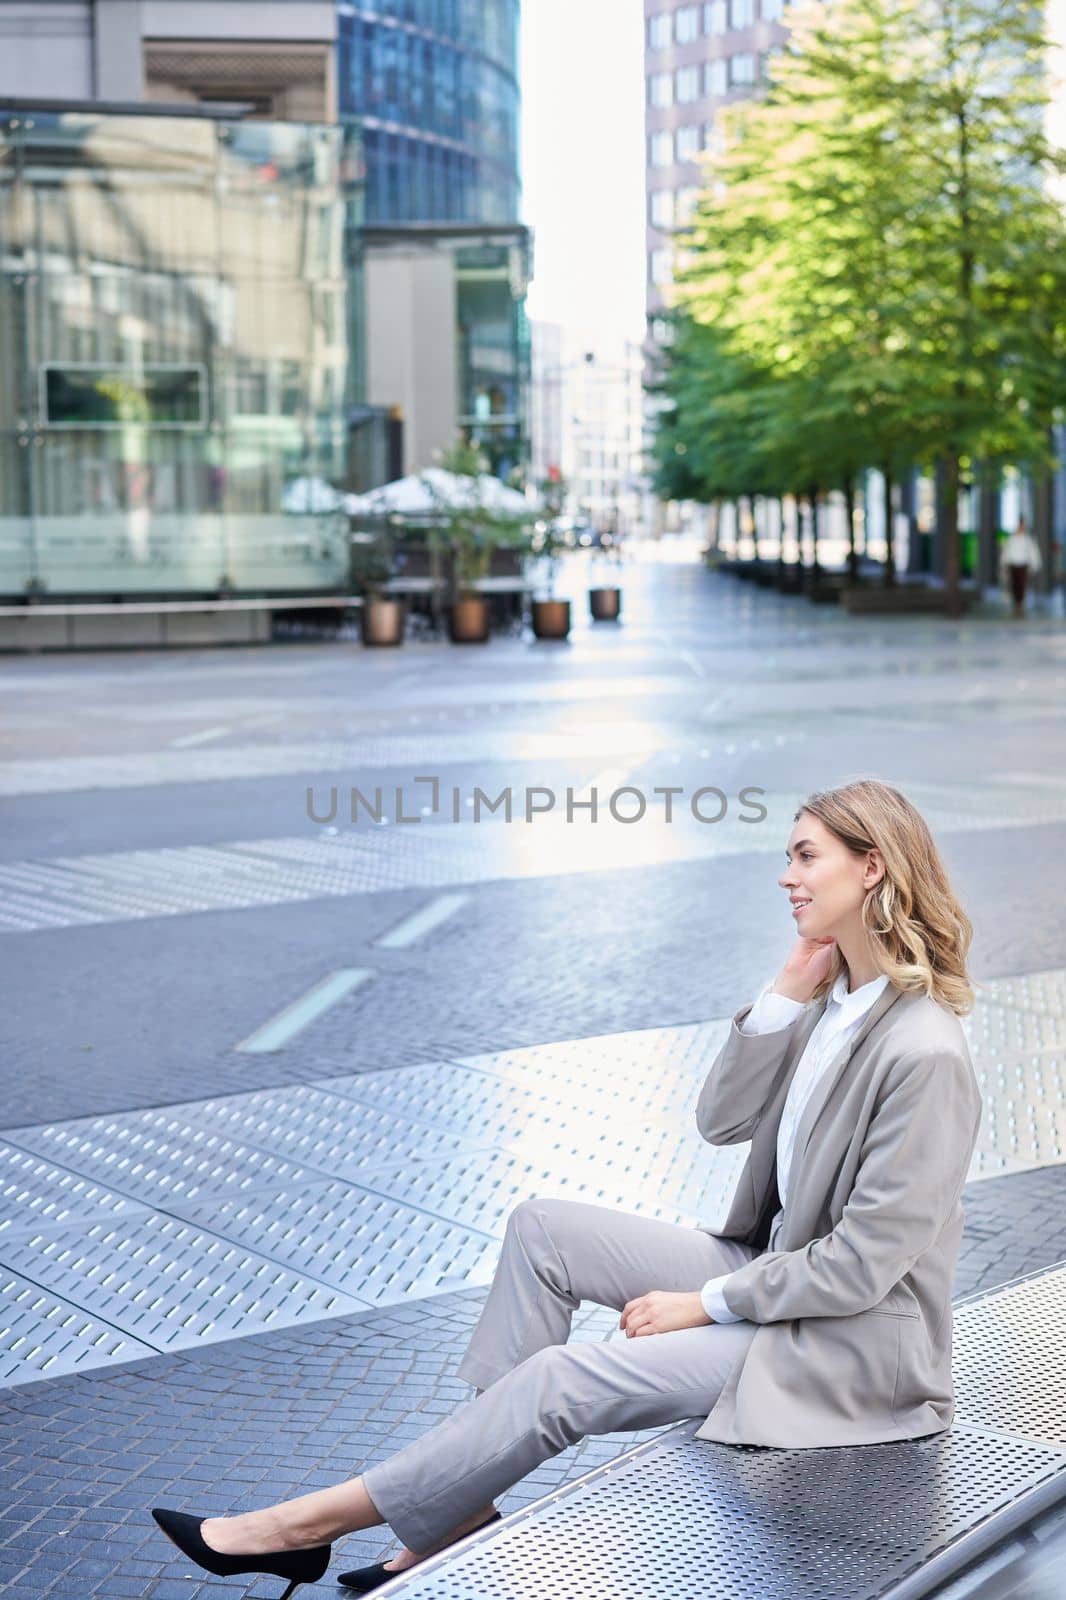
(876, 269)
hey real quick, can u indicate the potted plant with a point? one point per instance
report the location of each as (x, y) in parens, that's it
(383, 616)
(605, 599)
(550, 616)
(472, 531)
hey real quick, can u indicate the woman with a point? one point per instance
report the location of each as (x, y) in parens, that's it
(819, 1315)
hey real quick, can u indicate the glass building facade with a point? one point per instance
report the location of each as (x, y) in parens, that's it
(179, 349)
(434, 84)
(494, 353)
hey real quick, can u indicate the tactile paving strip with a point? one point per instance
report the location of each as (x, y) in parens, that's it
(358, 1242)
(169, 1284)
(36, 1194)
(650, 1076)
(1013, 1029)
(646, 1151)
(325, 1132)
(177, 881)
(387, 1184)
(1043, 992)
(1024, 1108)
(159, 1155)
(688, 1517)
(42, 1336)
(484, 1187)
(597, 736)
(364, 859)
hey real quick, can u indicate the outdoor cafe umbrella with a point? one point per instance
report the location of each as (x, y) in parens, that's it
(427, 493)
(310, 494)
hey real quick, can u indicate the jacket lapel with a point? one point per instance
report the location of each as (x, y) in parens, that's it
(831, 1073)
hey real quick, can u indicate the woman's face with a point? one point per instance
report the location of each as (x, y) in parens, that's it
(828, 878)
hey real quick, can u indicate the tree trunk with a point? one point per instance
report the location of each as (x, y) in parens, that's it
(849, 512)
(716, 525)
(812, 501)
(754, 527)
(889, 574)
(952, 593)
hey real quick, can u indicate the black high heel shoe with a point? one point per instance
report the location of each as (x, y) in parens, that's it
(363, 1579)
(300, 1566)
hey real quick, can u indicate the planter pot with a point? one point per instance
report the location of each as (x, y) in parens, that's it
(605, 604)
(468, 621)
(382, 622)
(551, 618)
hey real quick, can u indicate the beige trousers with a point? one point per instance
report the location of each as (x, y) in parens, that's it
(538, 1394)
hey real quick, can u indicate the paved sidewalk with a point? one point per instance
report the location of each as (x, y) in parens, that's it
(271, 1091)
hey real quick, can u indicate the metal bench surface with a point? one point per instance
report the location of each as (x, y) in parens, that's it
(684, 1517)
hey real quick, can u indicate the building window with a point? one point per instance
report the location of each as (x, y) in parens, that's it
(659, 266)
(688, 85)
(687, 200)
(662, 208)
(659, 31)
(772, 10)
(688, 24)
(715, 80)
(662, 330)
(688, 142)
(662, 148)
(741, 13)
(741, 69)
(715, 17)
(661, 89)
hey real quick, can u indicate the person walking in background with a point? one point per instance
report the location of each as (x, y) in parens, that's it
(1019, 555)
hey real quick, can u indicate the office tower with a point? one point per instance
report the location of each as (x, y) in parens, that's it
(698, 58)
(434, 84)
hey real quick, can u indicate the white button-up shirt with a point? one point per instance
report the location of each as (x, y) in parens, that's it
(842, 1016)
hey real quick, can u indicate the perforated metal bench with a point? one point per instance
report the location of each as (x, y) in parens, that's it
(681, 1517)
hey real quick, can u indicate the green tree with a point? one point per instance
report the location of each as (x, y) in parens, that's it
(877, 239)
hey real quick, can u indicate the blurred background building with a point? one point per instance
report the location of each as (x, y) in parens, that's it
(197, 314)
(588, 421)
(434, 84)
(698, 57)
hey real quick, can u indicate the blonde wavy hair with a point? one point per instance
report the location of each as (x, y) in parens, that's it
(919, 933)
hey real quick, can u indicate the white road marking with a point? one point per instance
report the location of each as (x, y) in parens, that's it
(203, 737)
(275, 1034)
(421, 922)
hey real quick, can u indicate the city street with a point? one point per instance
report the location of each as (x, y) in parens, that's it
(276, 1072)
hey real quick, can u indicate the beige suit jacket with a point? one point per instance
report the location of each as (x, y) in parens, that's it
(853, 1303)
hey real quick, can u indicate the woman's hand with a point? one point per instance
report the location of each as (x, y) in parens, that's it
(808, 963)
(663, 1312)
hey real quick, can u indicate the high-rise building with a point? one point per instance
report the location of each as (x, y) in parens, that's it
(698, 58)
(434, 84)
(270, 60)
(434, 87)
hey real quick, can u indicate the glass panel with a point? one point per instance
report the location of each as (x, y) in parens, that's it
(179, 356)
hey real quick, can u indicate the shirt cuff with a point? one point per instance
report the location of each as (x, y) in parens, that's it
(771, 1012)
(714, 1301)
